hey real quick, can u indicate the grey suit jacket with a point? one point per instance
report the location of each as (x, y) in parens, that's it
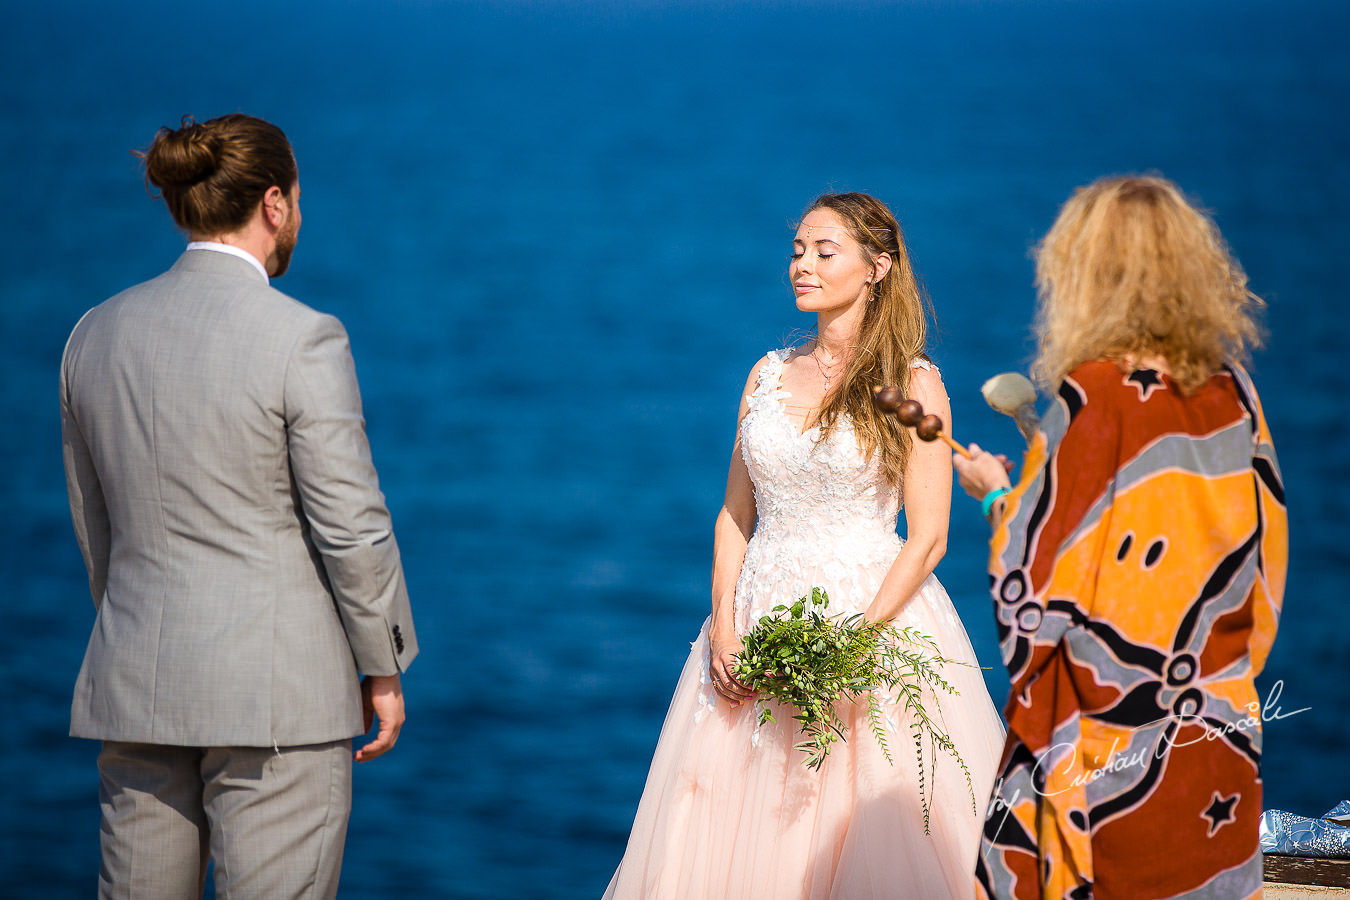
(240, 555)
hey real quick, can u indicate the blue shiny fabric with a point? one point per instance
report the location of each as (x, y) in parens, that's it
(1288, 834)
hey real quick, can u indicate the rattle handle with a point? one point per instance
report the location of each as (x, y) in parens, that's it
(954, 445)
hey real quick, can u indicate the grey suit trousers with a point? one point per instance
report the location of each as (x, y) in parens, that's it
(274, 820)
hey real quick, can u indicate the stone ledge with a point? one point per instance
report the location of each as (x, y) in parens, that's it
(1276, 891)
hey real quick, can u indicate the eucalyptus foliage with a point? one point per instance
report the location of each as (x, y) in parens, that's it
(802, 658)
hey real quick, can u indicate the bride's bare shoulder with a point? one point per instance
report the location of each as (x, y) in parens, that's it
(925, 385)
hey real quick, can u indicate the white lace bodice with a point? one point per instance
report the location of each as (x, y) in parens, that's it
(804, 488)
(824, 509)
(826, 518)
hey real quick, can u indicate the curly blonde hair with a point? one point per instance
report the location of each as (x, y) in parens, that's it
(1131, 268)
(890, 337)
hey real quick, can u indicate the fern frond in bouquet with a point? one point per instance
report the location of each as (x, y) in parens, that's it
(802, 658)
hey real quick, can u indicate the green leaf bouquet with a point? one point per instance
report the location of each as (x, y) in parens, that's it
(802, 658)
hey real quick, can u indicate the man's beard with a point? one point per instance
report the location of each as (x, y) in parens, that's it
(285, 247)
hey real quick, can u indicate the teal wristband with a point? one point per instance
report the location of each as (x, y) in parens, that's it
(991, 498)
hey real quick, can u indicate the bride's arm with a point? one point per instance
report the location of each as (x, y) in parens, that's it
(731, 534)
(928, 500)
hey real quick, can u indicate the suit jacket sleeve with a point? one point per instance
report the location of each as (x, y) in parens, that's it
(88, 508)
(339, 491)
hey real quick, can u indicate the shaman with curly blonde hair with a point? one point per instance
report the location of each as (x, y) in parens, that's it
(1149, 516)
(1132, 271)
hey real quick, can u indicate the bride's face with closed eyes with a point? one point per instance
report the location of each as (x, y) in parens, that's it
(828, 268)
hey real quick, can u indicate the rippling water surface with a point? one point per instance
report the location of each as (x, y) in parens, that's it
(557, 234)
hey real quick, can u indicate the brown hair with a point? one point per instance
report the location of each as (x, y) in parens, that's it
(213, 174)
(890, 336)
(1131, 268)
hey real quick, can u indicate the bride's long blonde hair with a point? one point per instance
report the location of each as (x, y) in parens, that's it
(1131, 269)
(890, 337)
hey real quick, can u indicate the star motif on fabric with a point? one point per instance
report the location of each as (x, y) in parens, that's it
(1146, 381)
(1220, 812)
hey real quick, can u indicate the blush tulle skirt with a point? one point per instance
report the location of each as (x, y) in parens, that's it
(730, 813)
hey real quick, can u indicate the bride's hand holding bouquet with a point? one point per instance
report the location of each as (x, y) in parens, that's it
(723, 650)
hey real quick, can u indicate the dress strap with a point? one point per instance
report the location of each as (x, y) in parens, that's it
(771, 371)
(920, 363)
(769, 381)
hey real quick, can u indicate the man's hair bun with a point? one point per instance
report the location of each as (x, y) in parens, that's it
(182, 157)
(213, 174)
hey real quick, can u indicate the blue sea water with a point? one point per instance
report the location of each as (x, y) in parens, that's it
(557, 233)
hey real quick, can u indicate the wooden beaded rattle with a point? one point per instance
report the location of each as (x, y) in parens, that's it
(910, 413)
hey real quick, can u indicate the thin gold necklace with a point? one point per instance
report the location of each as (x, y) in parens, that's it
(840, 361)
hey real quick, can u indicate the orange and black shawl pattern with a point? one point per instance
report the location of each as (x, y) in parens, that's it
(1137, 578)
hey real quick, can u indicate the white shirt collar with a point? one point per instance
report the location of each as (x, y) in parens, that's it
(232, 251)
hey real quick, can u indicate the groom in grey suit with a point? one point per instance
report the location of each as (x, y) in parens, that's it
(240, 555)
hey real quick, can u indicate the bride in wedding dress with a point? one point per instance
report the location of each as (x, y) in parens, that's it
(817, 481)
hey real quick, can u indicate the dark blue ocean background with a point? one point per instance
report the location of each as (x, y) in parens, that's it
(557, 234)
